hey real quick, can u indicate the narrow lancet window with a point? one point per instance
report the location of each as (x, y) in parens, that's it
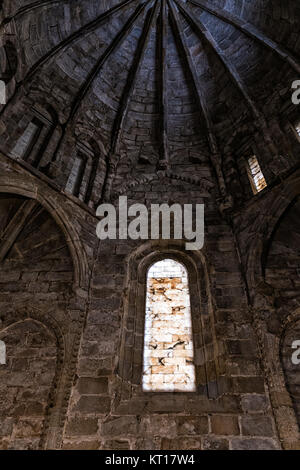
(257, 178)
(74, 182)
(83, 173)
(33, 142)
(168, 343)
(27, 140)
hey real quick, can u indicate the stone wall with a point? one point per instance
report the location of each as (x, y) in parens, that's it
(103, 412)
(27, 382)
(108, 408)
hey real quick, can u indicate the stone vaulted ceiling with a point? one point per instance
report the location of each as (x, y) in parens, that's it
(155, 82)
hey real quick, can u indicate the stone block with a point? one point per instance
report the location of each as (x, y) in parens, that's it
(214, 443)
(184, 443)
(192, 425)
(257, 426)
(92, 386)
(116, 444)
(254, 403)
(93, 404)
(225, 425)
(78, 426)
(123, 425)
(253, 444)
(82, 444)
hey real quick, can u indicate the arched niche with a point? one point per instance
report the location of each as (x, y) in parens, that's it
(274, 292)
(264, 230)
(27, 382)
(37, 283)
(281, 263)
(19, 186)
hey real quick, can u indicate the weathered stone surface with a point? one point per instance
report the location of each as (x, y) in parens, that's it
(215, 443)
(257, 426)
(81, 426)
(82, 445)
(184, 443)
(119, 426)
(253, 444)
(93, 404)
(190, 425)
(117, 444)
(158, 425)
(93, 386)
(254, 403)
(225, 425)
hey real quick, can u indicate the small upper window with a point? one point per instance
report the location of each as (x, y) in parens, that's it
(83, 172)
(33, 142)
(76, 176)
(257, 178)
(27, 140)
(168, 345)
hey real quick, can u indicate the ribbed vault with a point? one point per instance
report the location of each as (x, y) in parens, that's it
(160, 83)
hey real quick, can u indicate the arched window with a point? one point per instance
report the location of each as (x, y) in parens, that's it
(27, 140)
(256, 176)
(168, 343)
(83, 173)
(75, 180)
(2, 352)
